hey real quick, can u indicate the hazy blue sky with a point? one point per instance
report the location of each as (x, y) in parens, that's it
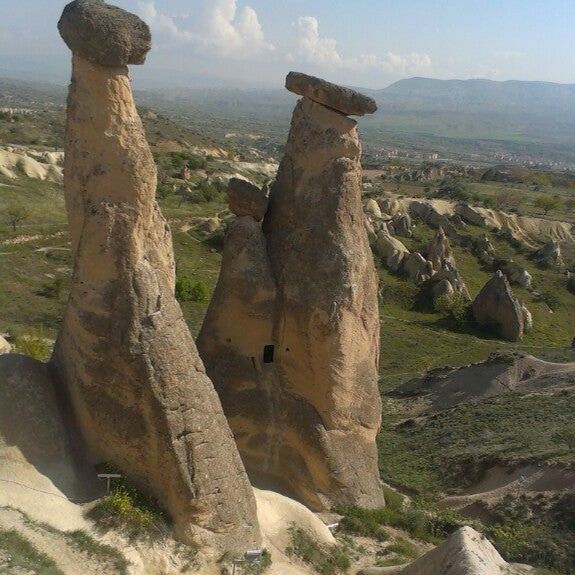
(359, 42)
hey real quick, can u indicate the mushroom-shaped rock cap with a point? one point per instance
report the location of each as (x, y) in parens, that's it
(103, 34)
(245, 199)
(344, 100)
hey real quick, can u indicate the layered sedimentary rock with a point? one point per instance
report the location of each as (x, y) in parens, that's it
(496, 307)
(296, 362)
(138, 388)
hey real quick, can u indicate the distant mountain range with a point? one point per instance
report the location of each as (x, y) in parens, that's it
(478, 95)
(456, 118)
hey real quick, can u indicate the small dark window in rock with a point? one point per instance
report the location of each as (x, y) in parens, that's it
(269, 353)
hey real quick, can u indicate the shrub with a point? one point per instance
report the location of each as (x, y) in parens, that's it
(35, 346)
(419, 518)
(128, 509)
(534, 543)
(188, 290)
(53, 289)
(405, 548)
(552, 301)
(258, 568)
(325, 560)
(455, 306)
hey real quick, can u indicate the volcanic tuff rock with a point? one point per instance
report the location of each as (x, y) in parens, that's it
(103, 34)
(296, 363)
(516, 274)
(549, 256)
(402, 225)
(390, 250)
(5, 347)
(372, 208)
(246, 199)
(466, 552)
(417, 268)
(344, 100)
(439, 251)
(495, 306)
(125, 356)
(448, 281)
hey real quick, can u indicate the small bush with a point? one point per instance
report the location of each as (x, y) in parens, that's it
(325, 560)
(53, 289)
(188, 290)
(552, 301)
(35, 346)
(455, 306)
(404, 548)
(420, 519)
(128, 509)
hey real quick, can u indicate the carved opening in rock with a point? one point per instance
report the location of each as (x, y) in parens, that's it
(269, 353)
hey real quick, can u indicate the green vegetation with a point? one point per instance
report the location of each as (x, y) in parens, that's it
(324, 560)
(18, 554)
(16, 214)
(104, 553)
(188, 290)
(35, 346)
(454, 306)
(128, 509)
(420, 518)
(455, 447)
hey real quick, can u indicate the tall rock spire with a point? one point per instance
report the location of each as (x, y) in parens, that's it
(137, 385)
(296, 365)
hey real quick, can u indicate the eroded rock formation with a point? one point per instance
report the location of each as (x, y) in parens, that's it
(497, 308)
(390, 250)
(125, 356)
(246, 199)
(439, 252)
(549, 256)
(296, 362)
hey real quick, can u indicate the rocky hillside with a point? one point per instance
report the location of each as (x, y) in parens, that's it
(307, 284)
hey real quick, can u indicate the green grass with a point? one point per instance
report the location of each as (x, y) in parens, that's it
(100, 551)
(332, 560)
(455, 447)
(18, 553)
(418, 517)
(130, 510)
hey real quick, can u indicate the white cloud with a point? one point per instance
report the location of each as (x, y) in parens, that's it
(311, 48)
(219, 27)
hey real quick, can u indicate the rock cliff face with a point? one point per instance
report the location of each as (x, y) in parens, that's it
(138, 387)
(296, 363)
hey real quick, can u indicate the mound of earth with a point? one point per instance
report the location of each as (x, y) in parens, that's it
(466, 552)
(445, 388)
(13, 165)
